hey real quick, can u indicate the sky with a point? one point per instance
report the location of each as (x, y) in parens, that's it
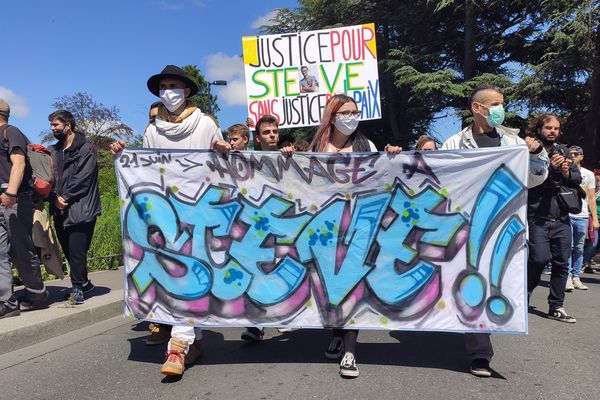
(110, 48)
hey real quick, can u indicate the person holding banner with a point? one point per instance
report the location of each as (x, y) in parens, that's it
(425, 143)
(338, 134)
(179, 125)
(238, 136)
(486, 105)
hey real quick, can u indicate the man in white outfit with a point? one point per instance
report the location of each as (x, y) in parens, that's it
(179, 124)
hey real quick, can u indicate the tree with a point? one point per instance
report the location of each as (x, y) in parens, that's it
(204, 100)
(101, 124)
(545, 54)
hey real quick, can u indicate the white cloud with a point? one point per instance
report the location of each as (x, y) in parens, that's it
(264, 20)
(221, 66)
(234, 94)
(18, 105)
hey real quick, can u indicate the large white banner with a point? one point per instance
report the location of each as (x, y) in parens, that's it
(416, 241)
(292, 75)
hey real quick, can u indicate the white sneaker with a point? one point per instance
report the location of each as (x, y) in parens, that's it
(569, 287)
(348, 366)
(578, 285)
(286, 330)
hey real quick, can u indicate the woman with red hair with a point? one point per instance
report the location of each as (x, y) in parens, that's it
(338, 134)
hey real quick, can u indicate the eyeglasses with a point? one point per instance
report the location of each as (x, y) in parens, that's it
(575, 154)
(348, 113)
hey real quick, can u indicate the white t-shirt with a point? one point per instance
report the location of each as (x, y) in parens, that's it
(587, 182)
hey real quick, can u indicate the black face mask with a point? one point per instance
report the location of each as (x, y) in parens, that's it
(59, 135)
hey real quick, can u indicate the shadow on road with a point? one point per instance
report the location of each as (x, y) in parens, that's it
(412, 349)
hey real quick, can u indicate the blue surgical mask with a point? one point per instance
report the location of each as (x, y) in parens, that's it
(496, 115)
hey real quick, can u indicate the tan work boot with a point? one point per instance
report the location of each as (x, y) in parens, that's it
(194, 352)
(569, 287)
(578, 285)
(174, 364)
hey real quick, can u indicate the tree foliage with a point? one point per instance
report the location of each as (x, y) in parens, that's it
(101, 124)
(433, 53)
(204, 100)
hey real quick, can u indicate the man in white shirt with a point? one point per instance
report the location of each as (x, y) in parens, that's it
(579, 222)
(179, 124)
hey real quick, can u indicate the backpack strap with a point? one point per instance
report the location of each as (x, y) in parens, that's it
(5, 137)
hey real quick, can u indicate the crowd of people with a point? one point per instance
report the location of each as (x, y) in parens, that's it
(561, 210)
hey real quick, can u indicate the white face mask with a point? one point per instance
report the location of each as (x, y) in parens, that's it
(172, 98)
(346, 125)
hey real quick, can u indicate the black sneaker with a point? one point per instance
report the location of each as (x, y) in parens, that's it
(481, 367)
(8, 311)
(31, 301)
(335, 349)
(253, 334)
(77, 296)
(85, 289)
(348, 366)
(561, 315)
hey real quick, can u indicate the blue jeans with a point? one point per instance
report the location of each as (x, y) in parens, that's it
(590, 248)
(579, 228)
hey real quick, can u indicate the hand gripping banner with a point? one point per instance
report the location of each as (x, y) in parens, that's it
(417, 241)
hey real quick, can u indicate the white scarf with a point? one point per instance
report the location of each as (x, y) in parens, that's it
(178, 131)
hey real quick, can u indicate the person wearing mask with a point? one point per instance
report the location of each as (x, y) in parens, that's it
(338, 133)
(75, 197)
(179, 125)
(486, 105)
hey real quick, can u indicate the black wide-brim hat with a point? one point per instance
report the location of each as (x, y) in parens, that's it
(174, 72)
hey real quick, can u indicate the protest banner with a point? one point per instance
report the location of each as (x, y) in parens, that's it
(291, 76)
(415, 241)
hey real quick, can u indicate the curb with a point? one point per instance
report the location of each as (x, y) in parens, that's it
(32, 327)
(58, 320)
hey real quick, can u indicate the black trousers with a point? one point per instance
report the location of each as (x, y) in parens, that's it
(549, 242)
(349, 336)
(75, 241)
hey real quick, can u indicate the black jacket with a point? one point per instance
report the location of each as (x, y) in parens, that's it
(542, 200)
(76, 180)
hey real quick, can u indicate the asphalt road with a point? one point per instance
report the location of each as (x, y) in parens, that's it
(110, 361)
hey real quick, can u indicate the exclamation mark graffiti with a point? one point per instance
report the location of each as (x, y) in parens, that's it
(498, 307)
(470, 288)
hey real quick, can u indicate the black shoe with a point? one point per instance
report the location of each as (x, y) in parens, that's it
(481, 367)
(8, 311)
(335, 349)
(87, 287)
(559, 314)
(31, 301)
(253, 334)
